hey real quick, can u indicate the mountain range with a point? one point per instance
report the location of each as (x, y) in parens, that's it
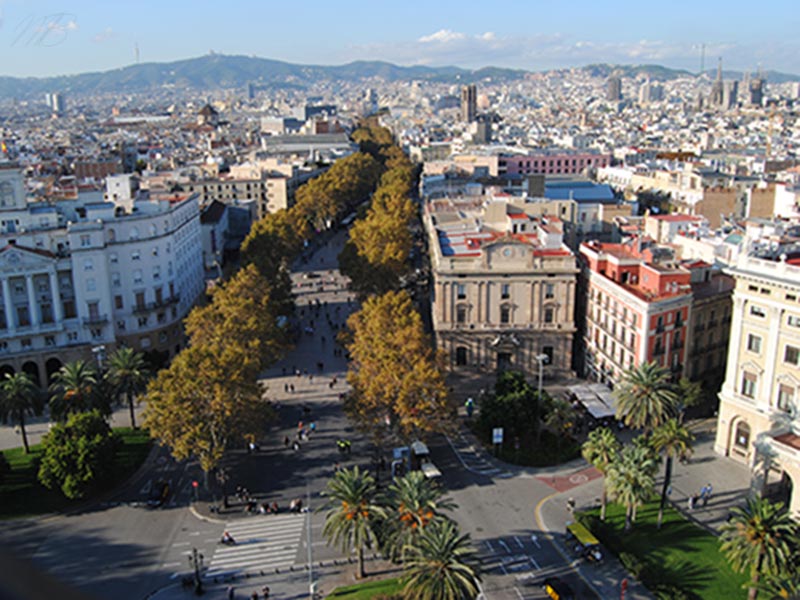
(218, 71)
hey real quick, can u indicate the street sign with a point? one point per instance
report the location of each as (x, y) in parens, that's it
(497, 435)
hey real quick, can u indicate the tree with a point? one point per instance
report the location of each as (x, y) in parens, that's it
(630, 479)
(645, 397)
(675, 441)
(437, 565)
(759, 538)
(689, 394)
(395, 376)
(205, 401)
(20, 398)
(77, 454)
(560, 419)
(353, 512)
(128, 373)
(601, 449)
(514, 406)
(413, 502)
(74, 390)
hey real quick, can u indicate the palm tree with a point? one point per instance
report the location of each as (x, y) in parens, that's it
(759, 538)
(630, 479)
(128, 373)
(601, 449)
(353, 512)
(73, 389)
(437, 566)
(413, 503)
(675, 441)
(20, 398)
(645, 397)
(689, 393)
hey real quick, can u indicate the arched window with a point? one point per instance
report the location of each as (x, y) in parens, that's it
(742, 437)
(505, 313)
(461, 314)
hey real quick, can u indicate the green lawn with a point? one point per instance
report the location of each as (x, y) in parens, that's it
(679, 558)
(22, 494)
(367, 590)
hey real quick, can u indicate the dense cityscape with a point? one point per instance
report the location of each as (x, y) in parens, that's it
(393, 333)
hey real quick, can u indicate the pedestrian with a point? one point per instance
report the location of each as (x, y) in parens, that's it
(296, 446)
(707, 495)
(313, 426)
(690, 502)
(286, 388)
(254, 596)
(265, 591)
(230, 592)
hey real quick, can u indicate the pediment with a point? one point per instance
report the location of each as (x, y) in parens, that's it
(19, 259)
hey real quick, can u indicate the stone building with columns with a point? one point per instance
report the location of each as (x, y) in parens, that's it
(82, 275)
(759, 413)
(504, 285)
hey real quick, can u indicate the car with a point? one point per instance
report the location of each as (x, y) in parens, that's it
(158, 494)
(557, 589)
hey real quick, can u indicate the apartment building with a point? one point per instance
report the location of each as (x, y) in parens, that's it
(759, 421)
(77, 275)
(504, 286)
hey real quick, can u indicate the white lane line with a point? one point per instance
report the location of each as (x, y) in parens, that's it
(261, 564)
(535, 540)
(170, 565)
(255, 560)
(489, 544)
(535, 564)
(504, 545)
(260, 550)
(521, 597)
(519, 543)
(176, 544)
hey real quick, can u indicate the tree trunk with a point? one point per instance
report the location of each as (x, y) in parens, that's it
(24, 433)
(130, 407)
(603, 501)
(361, 573)
(627, 518)
(753, 591)
(667, 479)
(633, 513)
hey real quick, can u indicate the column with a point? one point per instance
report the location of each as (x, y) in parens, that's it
(58, 309)
(32, 306)
(8, 306)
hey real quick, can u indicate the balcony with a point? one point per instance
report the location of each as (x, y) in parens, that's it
(150, 306)
(658, 351)
(93, 320)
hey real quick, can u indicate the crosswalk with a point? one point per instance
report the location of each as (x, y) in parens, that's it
(268, 542)
(474, 458)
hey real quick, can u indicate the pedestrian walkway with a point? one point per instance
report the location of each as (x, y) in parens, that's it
(262, 543)
(473, 457)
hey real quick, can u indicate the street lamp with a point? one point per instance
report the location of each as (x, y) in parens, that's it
(541, 359)
(196, 562)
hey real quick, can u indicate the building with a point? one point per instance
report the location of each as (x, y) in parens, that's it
(730, 95)
(637, 308)
(756, 91)
(614, 89)
(759, 421)
(504, 287)
(77, 275)
(469, 103)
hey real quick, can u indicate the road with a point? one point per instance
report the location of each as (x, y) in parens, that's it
(122, 549)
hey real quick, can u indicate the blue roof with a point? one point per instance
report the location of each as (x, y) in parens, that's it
(37, 210)
(580, 191)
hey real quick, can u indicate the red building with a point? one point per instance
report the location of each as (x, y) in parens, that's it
(637, 309)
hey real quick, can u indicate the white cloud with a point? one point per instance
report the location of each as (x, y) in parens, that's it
(104, 36)
(443, 36)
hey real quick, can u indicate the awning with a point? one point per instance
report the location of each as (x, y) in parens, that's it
(596, 399)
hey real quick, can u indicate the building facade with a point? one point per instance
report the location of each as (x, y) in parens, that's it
(76, 276)
(504, 287)
(759, 421)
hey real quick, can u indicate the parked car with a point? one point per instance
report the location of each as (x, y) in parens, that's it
(557, 589)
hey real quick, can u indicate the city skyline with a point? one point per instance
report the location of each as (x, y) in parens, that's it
(47, 38)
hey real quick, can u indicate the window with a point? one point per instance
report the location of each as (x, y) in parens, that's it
(155, 250)
(742, 437)
(791, 355)
(137, 276)
(757, 311)
(91, 285)
(505, 291)
(145, 342)
(86, 240)
(785, 397)
(660, 324)
(793, 321)
(49, 340)
(26, 342)
(142, 321)
(88, 265)
(549, 290)
(136, 255)
(461, 356)
(156, 273)
(754, 343)
(548, 352)
(749, 384)
(118, 303)
(461, 291)
(121, 325)
(116, 280)
(461, 314)
(549, 314)
(134, 233)
(505, 314)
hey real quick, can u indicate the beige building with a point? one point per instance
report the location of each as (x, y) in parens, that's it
(504, 286)
(759, 423)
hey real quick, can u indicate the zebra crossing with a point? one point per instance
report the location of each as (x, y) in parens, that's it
(268, 542)
(473, 457)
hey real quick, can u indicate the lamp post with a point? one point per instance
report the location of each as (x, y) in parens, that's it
(196, 562)
(541, 359)
(312, 587)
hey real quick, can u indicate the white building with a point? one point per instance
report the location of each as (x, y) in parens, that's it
(77, 275)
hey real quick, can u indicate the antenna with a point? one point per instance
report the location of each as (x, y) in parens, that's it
(136, 51)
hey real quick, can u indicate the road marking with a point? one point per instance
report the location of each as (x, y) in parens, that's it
(170, 565)
(535, 540)
(521, 597)
(519, 543)
(504, 545)
(535, 564)
(488, 543)
(578, 479)
(176, 544)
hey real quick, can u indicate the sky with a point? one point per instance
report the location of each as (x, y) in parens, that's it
(54, 37)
